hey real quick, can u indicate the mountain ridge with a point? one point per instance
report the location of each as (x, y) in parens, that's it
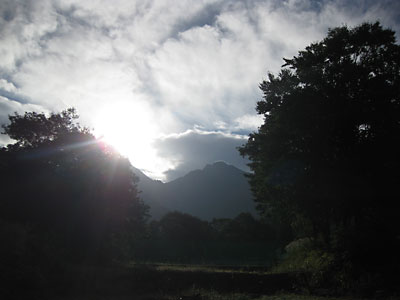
(219, 190)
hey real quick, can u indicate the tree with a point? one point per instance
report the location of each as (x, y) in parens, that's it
(181, 226)
(327, 153)
(34, 129)
(58, 178)
(244, 227)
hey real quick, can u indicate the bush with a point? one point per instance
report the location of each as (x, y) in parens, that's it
(313, 266)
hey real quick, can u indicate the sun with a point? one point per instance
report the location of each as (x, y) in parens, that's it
(131, 129)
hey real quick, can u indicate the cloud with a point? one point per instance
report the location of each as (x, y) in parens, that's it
(189, 62)
(194, 148)
(23, 25)
(209, 74)
(6, 86)
(248, 122)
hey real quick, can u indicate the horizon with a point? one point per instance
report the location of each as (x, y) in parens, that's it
(190, 171)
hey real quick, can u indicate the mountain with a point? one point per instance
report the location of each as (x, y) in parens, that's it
(217, 191)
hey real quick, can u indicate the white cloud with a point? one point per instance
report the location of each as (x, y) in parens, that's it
(189, 62)
(7, 86)
(248, 122)
(22, 27)
(209, 73)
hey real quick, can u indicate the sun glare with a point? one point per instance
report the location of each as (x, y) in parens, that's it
(131, 130)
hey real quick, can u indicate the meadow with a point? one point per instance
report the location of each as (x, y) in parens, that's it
(178, 281)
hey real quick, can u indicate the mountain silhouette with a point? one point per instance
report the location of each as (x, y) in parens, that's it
(218, 190)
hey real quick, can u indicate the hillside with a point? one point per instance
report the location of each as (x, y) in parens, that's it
(218, 190)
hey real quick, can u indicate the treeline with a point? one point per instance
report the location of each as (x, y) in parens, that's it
(182, 238)
(181, 226)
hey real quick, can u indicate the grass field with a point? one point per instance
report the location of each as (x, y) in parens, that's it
(206, 295)
(167, 282)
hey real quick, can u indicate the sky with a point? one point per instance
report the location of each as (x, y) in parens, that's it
(172, 85)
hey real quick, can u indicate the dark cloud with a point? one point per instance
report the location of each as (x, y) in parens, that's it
(12, 96)
(205, 16)
(8, 11)
(195, 148)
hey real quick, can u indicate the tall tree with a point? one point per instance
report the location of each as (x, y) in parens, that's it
(34, 129)
(63, 181)
(327, 153)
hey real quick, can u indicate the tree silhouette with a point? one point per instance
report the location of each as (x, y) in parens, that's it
(34, 129)
(244, 227)
(327, 153)
(62, 181)
(181, 226)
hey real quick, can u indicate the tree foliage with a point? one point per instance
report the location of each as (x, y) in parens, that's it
(34, 129)
(69, 186)
(180, 226)
(326, 156)
(244, 227)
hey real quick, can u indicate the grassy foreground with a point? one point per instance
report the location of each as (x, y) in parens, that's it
(170, 282)
(207, 295)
